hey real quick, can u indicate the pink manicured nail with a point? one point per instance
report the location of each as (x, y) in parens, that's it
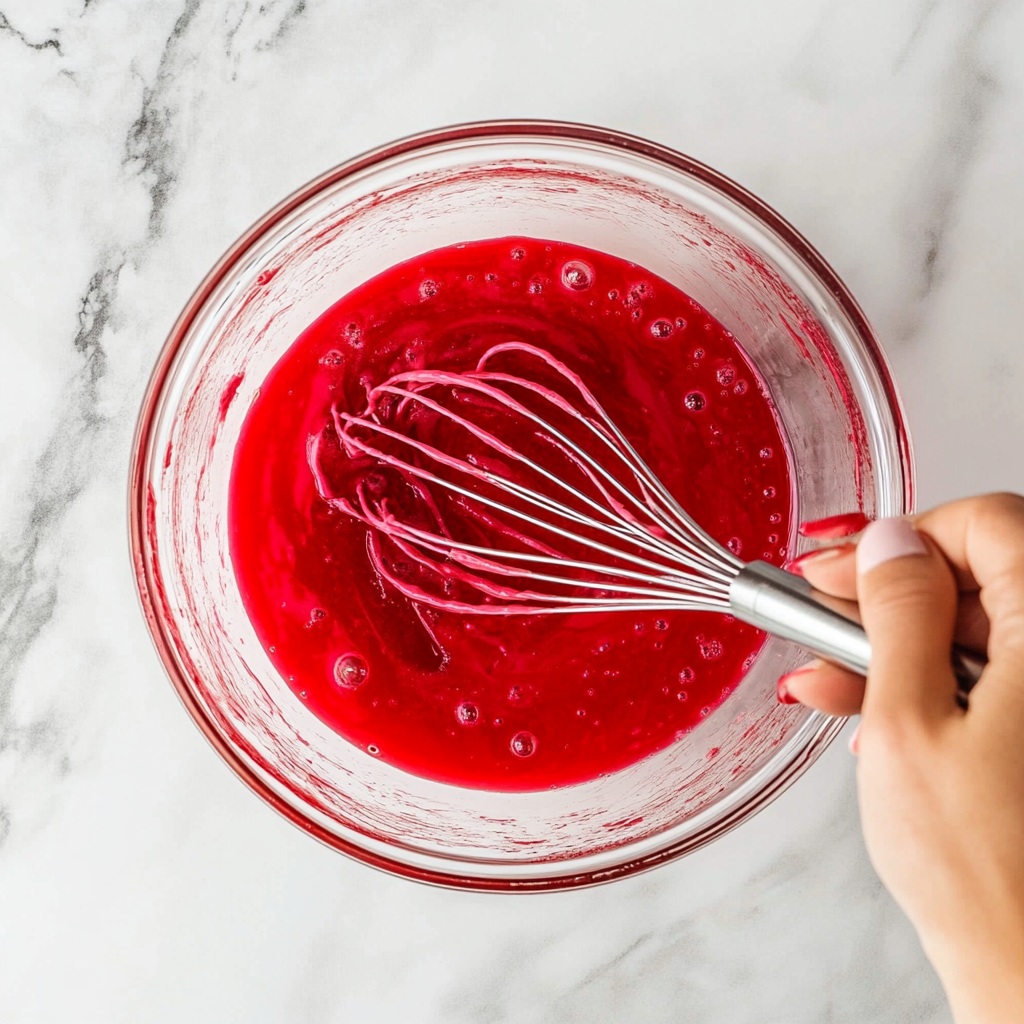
(834, 527)
(887, 539)
(854, 743)
(797, 564)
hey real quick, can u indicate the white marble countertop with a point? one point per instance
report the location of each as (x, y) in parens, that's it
(139, 881)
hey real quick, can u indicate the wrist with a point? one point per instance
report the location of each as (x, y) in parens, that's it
(983, 986)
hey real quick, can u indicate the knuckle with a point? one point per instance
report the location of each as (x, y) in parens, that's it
(1000, 508)
(1007, 630)
(1003, 595)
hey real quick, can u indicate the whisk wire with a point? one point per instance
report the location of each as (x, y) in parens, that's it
(475, 383)
(652, 599)
(650, 553)
(708, 548)
(619, 527)
(393, 526)
(478, 560)
(638, 533)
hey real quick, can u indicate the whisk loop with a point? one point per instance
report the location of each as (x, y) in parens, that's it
(579, 523)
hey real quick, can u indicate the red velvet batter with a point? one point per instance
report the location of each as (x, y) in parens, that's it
(506, 703)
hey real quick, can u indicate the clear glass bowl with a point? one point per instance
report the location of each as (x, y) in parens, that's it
(589, 186)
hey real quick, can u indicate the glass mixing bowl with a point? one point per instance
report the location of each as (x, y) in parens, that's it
(591, 187)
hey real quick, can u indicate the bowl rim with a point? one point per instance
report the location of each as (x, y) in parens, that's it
(146, 574)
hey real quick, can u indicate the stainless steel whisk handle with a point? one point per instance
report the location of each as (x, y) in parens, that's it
(788, 606)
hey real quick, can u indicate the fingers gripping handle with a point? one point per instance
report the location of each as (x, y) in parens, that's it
(788, 606)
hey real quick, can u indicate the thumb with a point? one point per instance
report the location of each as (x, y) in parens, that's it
(908, 601)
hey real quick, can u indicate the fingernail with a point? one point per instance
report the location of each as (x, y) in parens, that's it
(782, 693)
(833, 527)
(886, 539)
(854, 743)
(797, 564)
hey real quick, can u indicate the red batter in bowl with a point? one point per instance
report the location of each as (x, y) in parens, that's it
(520, 702)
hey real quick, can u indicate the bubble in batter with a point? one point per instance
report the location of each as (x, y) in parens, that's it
(709, 649)
(523, 744)
(467, 713)
(577, 275)
(350, 671)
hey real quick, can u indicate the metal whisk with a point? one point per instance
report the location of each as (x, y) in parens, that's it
(567, 519)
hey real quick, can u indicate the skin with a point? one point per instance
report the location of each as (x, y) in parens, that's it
(941, 789)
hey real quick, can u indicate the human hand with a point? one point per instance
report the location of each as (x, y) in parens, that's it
(941, 789)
